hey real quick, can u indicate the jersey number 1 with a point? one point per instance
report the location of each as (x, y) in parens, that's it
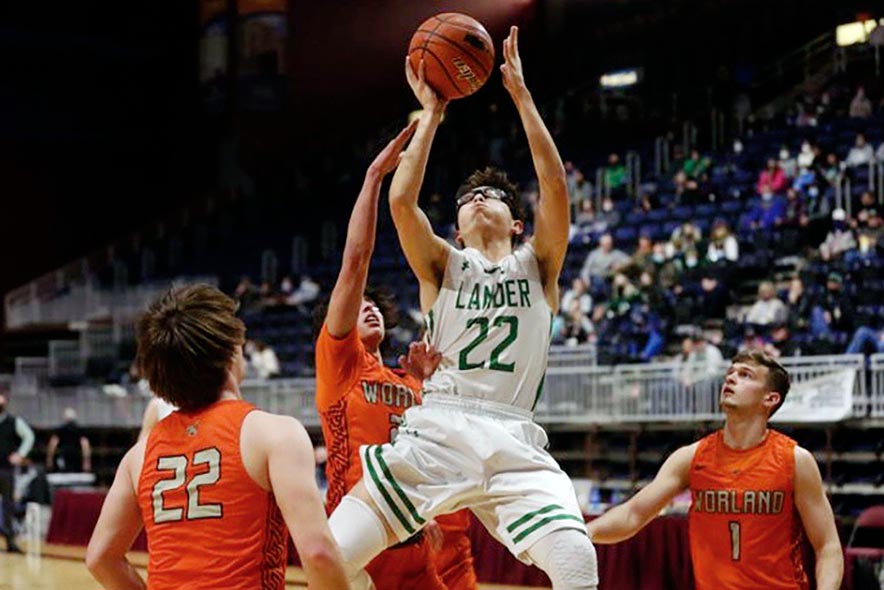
(734, 526)
(178, 464)
(494, 364)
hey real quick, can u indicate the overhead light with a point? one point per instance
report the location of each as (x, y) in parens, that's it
(620, 78)
(853, 33)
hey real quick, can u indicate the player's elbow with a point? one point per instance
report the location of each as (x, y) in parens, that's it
(97, 558)
(321, 555)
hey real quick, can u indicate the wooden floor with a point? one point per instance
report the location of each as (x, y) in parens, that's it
(61, 568)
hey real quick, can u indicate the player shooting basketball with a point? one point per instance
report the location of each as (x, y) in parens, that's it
(488, 310)
(361, 401)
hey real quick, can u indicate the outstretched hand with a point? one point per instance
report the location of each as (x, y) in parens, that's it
(429, 99)
(386, 161)
(511, 69)
(421, 361)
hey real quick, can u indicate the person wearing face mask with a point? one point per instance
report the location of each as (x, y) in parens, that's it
(839, 240)
(806, 155)
(16, 441)
(787, 162)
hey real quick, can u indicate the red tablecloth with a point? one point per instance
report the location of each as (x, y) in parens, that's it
(657, 558)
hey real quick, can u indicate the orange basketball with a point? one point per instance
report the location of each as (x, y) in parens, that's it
(458, 54)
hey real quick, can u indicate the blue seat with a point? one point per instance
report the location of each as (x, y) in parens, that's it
(682, 213)
(730, 207)
(626, 234)
(658, 215)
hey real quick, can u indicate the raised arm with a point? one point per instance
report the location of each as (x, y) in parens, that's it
(625, 520)
(426, 252)
(819, 523)
(346, 297)
(552, 219)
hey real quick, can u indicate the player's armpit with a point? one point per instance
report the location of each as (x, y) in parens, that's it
(290, 470)
(625, 520)
(818, 520)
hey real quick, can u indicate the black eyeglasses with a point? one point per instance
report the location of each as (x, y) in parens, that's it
(489, 192)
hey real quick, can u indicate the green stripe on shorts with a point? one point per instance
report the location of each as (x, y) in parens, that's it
(399, 492)
(544, 522)
(385, 493)
(531, 515)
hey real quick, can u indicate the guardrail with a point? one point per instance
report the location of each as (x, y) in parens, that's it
(578, 394)
(80, 302)
(876, 398)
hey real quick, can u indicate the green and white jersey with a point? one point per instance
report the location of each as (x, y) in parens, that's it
(492, 324)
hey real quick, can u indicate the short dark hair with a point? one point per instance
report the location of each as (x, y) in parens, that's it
(187, 340)
(491, 176)
(380, 296)
(777, 376)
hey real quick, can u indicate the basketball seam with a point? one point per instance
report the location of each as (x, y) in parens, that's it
(445, 71)
(431, 34)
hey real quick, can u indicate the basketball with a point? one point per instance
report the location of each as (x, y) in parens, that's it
(458, 54)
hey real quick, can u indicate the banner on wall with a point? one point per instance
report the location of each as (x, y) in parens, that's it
(828, 398)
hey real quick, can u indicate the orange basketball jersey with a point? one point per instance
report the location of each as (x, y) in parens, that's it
(360, 402)
(744, 528)
(209, 525)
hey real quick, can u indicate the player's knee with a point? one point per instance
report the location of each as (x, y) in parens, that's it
(358, 531)
(568, 558)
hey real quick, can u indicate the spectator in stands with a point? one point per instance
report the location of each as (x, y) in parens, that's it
(781, 343)
(695, 165)
(665, 269)
(586, 215)
(16, 442)
(839, 240)
(772, 179)
(866, 340)
(871, 235)
(69, 449)
(609, 217)
(615, 175)
(766, 214)
(879, 155)
(723, 246)
(806, 155)
(246, 294)
(865, 207)
(713, 298)
(860, 106)
(262, 359)
(861, 153)
(578, 187)
(799, 304)
(833, 311)
(787, 163)
(793, 221)
(646, 203)
(688, 191)
(640, 261)
(768, 309)
(602, 261)
(307, 292)
(830, 170)
(704, 355)
(652, 295)
(578, 292)
(685, 239)
(573, 327)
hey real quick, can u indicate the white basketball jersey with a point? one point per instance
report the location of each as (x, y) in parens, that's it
(492, 324)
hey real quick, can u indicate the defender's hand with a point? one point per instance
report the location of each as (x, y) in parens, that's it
(388, 159)
(511, 70)
(421, 361)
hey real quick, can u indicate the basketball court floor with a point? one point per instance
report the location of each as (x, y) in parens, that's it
(62, 568)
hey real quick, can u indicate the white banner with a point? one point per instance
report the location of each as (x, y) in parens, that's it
(828, 398)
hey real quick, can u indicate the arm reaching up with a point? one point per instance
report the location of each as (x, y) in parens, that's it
(346, 297)
(425, 251)
(553, 216)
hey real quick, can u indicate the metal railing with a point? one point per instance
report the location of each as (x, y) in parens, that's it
(578, 394)
(32, 305)
(876, 396)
